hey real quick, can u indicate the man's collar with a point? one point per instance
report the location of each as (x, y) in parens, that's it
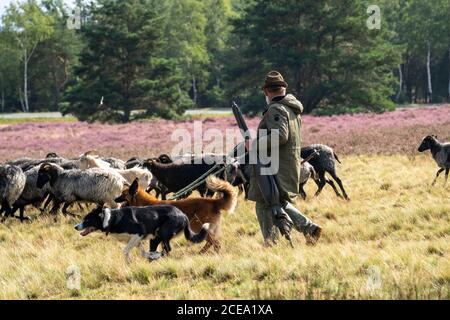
(278, 98)
(275, 99)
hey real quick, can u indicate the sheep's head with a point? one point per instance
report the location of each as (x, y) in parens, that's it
(164, 158)
(45, 174)
(89, 153)
(51, 155)
(87, 161)
(427, 143)
(149, 163)
(232, 171)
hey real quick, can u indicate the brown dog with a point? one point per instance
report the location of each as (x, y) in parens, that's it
(198, 210)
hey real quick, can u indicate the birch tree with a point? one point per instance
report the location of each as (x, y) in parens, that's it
(187, 41)
(27, 26)
(9, 75)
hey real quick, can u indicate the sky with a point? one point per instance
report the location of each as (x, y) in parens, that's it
(4, 4)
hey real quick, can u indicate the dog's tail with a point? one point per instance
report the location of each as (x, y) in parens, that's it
(229, 195)
(191, 236)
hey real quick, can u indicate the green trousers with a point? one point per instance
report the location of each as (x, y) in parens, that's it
(267, 225)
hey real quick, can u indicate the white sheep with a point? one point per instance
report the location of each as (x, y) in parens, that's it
(144, 176)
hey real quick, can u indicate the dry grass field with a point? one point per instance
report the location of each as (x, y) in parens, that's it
(390, 241)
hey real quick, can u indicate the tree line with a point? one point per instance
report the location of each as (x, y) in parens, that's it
(112, 60)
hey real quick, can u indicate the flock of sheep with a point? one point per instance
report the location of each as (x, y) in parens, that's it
(93, 179)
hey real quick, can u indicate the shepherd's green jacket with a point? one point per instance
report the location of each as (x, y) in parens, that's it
(284, 115)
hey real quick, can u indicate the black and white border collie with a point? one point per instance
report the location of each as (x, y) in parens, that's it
(158, 223)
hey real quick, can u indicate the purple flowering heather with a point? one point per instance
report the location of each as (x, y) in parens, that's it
(399, 131)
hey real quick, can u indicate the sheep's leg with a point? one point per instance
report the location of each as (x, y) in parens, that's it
(240, 189)
(47, 202)
(7, 212)
(331, 183)
(437, 175)
(65, 207)
(14, 210)
(22, 215)
(4, 209)
(67, 213)
(56, 205)
(339, 182)
(320, 183)
(302, 191)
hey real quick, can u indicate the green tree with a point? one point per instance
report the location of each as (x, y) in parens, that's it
(9, 74)
(119, 65)
(422, 29)
(27, 26)
(53, 59)
(217, 31)
(324, 48)
(186, 42)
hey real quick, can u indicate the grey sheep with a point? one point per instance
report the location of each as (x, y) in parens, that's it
(440, 152)
(307, 171)
(324, 162)
(28, 163)
(154, 184)
(115, 163)
(68, 186)
(31, 194)
(244, 171)
(12, 183)
(180, 173)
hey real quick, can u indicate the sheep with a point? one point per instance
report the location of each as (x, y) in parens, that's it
(115, 163)
(441, 155)
(28, 163)
(12, 183)
(323, 163)
(306, 171)
(134, 162)
(31, 194)
(178, 174)
(230, 174)
(106, 162)
(92, 185)
(154, 183)
(244, 171)
(144, 176)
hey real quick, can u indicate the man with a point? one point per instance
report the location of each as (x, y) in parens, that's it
(282, 118)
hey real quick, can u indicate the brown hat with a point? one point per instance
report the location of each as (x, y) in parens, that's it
(274, 79)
